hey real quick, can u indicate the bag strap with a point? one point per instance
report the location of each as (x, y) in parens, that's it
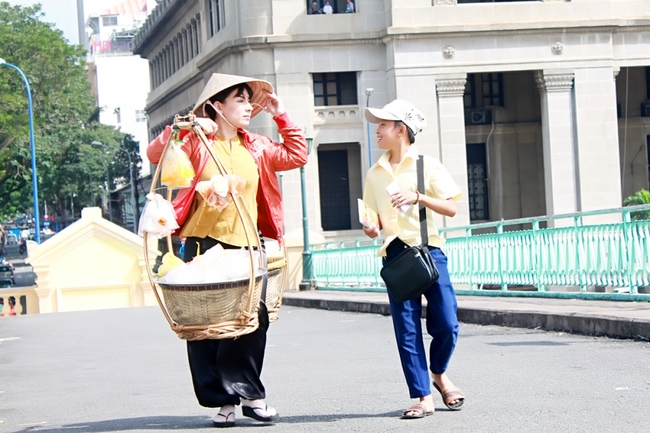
(424, 232)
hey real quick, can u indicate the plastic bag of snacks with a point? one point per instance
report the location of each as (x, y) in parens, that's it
(216, 265)
(215, 191)
(158, 217)
(177, 170)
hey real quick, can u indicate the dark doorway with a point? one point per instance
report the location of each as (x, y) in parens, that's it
(334, 189)
(477, 182)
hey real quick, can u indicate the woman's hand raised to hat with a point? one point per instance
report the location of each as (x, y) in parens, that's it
(274, 105)
(207, 125)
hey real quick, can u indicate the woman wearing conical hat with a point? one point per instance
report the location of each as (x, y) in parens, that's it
(227, 372)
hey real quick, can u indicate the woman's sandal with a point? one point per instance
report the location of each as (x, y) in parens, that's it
(225, 417)
(416, 411)
(454, 394)
(251, 412)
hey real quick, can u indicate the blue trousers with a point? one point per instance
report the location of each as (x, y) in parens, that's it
(441, 322)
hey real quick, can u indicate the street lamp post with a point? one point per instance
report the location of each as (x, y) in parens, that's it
(132, 186)
(37, 225)
(369, 91)
(307, 282)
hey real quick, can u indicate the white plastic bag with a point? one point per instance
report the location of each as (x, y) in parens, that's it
(216, 265)
(158, 217)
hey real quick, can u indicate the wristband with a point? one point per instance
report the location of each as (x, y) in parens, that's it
(417, 198)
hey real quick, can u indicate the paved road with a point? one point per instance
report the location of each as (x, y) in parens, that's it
(326, 371)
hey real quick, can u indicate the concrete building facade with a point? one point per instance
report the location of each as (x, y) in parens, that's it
(535, 107)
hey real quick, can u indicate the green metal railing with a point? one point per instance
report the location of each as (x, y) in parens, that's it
(521, 257)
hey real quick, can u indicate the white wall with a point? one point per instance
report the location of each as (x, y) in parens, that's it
(123, 81)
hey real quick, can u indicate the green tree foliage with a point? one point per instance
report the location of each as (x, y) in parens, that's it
(638, 198)
(65, 120)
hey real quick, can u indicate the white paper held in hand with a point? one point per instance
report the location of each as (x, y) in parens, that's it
(394, 188)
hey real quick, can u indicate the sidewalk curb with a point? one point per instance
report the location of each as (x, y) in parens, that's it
(572, 323)
(327, 304)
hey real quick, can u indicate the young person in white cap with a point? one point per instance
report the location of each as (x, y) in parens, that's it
(227, 372)
(398, 124)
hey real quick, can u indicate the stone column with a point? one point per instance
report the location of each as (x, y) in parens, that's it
(597, 139)
(560, 177)
(451, 126)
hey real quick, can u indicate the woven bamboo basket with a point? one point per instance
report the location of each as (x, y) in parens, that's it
(277, 277)
(217, 310)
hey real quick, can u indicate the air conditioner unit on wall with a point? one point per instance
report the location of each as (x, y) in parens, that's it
(481, 116)
(645, 109)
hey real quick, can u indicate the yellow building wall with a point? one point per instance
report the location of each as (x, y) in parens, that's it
(92, 264)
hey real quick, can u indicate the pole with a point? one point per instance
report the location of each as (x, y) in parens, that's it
(133, 203)
(108, 196)
(37, 224)
(307, 264)
(307, 274)
(368, 93)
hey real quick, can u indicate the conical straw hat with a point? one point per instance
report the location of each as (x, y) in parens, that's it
(219, 82)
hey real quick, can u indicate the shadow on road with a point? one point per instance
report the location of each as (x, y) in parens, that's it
(154, 423)
(529, 343)
(162, 423)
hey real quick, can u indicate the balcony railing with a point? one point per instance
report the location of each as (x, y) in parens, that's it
(337, 115)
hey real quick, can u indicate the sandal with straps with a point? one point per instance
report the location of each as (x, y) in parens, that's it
(454, 394)
(225, 422)
(416, 411)
(252, 412)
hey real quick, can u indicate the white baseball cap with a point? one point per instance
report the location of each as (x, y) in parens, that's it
(398, 110)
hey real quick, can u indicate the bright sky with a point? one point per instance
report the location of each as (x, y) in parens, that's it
(63, 13)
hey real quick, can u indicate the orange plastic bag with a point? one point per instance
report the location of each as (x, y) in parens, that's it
(177, 170)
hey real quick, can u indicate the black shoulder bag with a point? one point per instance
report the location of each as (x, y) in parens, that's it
(411, 273)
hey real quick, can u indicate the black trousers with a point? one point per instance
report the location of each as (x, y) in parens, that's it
(225, 371)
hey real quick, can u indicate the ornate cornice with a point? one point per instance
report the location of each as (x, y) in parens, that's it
(554, 81)
(444, 2)
(450, 87)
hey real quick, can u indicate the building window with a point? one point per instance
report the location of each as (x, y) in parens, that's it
(477, 183)
(216, 16)
(109, 21)
(492, 89)
(335, 88)
(318, 7)
(190, 37)
(186, 48)
(494, 1)
(181, 51)
(469, 98)
(172, 52)
(484, 90)
(211, 23)
(339, 176)
(647, 82)
(140, 116)
(197, 29)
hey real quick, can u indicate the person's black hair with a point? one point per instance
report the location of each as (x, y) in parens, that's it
(221, 97)
(399, 123)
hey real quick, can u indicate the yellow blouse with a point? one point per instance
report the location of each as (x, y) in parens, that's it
(405, 225)
(226, 225)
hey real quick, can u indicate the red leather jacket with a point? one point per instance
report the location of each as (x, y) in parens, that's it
(270, 157)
